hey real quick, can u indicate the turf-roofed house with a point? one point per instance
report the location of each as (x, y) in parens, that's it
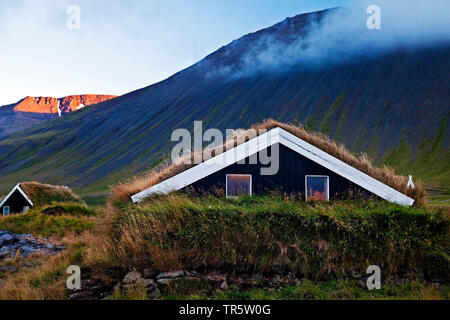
(27, 195)
(17, 201)
(307, 164)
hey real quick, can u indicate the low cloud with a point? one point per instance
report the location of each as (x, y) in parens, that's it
(342, 36)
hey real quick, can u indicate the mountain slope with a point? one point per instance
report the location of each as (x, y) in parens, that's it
(32, 110)
(394, 106)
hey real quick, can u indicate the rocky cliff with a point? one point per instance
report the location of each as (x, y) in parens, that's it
(67, 104)
(33, 110)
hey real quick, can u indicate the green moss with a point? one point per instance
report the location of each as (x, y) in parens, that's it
(44, 225)
(400, 156)
(325, 126)
(67, 209)
(340, 290)
(430, 163)
(342, 118)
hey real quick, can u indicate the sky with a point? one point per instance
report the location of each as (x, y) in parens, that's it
(121, 45)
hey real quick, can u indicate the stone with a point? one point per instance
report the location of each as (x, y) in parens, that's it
(27, 249)
(439, 279)
(153, 294)
(131, 277)
(7, 239)
(11, 269)
(5, 254)
(145, 282)
(164, 281)
(216, 278)
(190, 273)
(49, 246)
(277, 278)
(356, 276)
(20, 237)
(149, 273)
(224, 285)
(149, 282)
(170, 275)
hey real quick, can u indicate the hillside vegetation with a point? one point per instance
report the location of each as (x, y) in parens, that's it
(57, 211)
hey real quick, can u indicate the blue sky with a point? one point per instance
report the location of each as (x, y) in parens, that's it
(122, 45)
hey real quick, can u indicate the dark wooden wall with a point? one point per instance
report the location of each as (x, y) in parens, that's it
(16, 202)
(290, 178)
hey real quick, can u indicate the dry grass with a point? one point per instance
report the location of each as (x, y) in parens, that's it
(47, 282)
(43, 194)
(385, 174)
(272, 233)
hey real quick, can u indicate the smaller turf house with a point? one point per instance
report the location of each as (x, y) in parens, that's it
(303, 168)
(27, 195)
(17, 201)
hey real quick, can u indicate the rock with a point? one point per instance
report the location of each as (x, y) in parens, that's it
(49, 246)
(27, 249)
(5, 254)
(190, 273)
(277, 278)
(50, 105)
(79, 296)
(145, 282)
(20, 237)
(149, 282)
(149, 273)
(153, 294)
(439, 279)
(7, 239)
(11, 269)
(131, 277)
(216, 277)
(356, 276)
(170, 275)
(164, 281)
(224, 285)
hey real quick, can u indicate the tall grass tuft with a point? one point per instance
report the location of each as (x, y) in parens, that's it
(273, 233)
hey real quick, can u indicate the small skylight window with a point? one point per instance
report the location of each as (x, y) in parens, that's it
(317, 188)
(238, 185)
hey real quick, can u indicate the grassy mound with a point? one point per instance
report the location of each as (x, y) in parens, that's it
(44, 225)
(55, 219)
(272, 233)
(68, 209)
(44, 194)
